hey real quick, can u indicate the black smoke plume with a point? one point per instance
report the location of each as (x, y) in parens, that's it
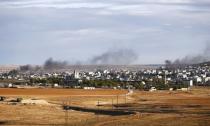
(51, 64)
(115, 57)
(29, 68)
(191, 59)
(26, 68)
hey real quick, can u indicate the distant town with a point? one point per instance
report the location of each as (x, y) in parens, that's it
(153, 77)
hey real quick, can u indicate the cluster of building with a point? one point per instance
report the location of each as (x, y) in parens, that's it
(189, 75)
(197, 75)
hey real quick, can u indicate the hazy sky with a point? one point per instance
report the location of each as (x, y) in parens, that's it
(33, 30)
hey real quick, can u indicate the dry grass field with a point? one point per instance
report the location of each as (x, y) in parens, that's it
(160, 108)
(58, 92)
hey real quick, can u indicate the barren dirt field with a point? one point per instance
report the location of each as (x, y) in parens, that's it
(50, 91)
(160, 108)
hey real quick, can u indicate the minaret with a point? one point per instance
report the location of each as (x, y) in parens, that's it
(76, 74)
(165, 78)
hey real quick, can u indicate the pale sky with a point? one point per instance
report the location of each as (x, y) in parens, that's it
(77, 30)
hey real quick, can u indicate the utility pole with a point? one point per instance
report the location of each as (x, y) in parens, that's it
(66, 112)
(125, 99)
(112, 103)
(165, 78)
(98, 112)
(69, 116)
(117, 101)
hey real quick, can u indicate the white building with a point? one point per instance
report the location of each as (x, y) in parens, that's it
(207, 79)
(152, 89)
(199, 79)
(89, 88)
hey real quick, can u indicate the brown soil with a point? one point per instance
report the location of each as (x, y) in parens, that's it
(160, 108)
(57, 92)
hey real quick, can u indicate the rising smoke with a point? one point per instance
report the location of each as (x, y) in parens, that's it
(191, 59)
(49, 64)
(52, 64)
(26, 68)
(29, 68)
(115, 57)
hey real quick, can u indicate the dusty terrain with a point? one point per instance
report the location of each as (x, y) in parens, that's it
(160, 108)
(57, 92)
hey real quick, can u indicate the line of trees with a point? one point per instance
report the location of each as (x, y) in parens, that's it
(50, 80)
(141, 85)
